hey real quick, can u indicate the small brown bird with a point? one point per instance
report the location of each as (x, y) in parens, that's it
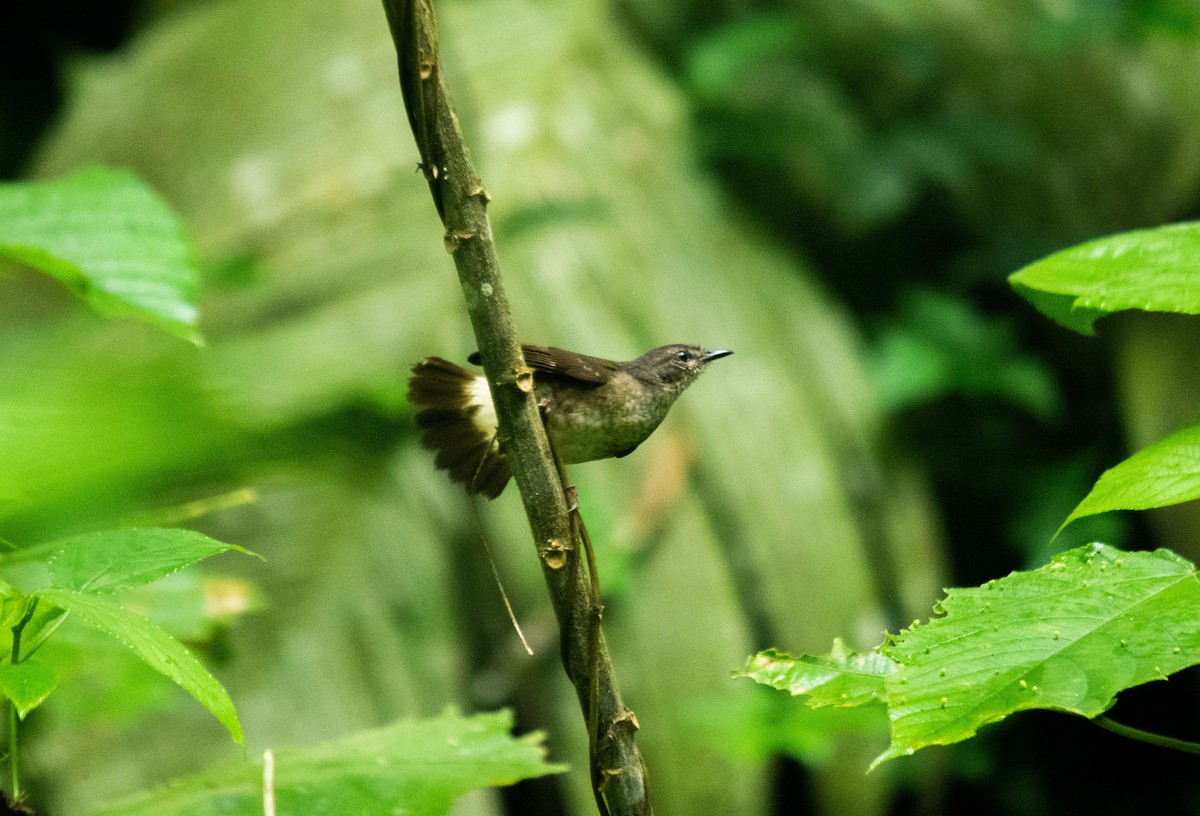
(594, 408)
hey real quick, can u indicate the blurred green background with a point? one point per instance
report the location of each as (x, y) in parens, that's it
(835, 189)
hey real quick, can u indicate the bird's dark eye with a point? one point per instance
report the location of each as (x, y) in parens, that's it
(682, 355)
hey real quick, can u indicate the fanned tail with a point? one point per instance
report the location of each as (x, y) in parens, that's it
(458, 422)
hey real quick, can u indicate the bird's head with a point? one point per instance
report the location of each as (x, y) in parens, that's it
(676, 366)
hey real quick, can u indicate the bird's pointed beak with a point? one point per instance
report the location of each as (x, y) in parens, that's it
(709, 356)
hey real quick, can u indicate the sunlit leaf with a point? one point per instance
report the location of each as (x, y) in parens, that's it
(755, 727)
(157, 648)
(412, 767)
(1068, 637)
(14, 605)
(110, 239)
(27, 684)
(841, 678)
(1153, 270)
(118, 559)
(1167, 472)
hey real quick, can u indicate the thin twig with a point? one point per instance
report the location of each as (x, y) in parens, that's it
(487, 548)
(461, 201)
(13, 752)
(268, 776)
(14, 659)
(1161, 741)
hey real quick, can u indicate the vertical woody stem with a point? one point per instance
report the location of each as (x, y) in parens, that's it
(618, 775)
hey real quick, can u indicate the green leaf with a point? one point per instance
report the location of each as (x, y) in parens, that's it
(1167, 472)
(157, 648)
(1153, 270)
(118, 559)
(14, 604)
(27, 684)
(110, 239)
(412, 767)
(1068, 637)
(841, 678)
(756, 727)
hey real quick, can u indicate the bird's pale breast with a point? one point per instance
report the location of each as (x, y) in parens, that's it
(608, 420)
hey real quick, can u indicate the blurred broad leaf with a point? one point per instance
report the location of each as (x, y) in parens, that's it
(1153, 270)
(415, 767)
(1066, 637)
(1165, 473)
(118, 559)
(110, 239)
(764, 725)
(27, 684)
(840, 678)
(157, 648)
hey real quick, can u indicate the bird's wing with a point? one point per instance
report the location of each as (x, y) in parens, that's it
(567, 364)
(561, 363)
